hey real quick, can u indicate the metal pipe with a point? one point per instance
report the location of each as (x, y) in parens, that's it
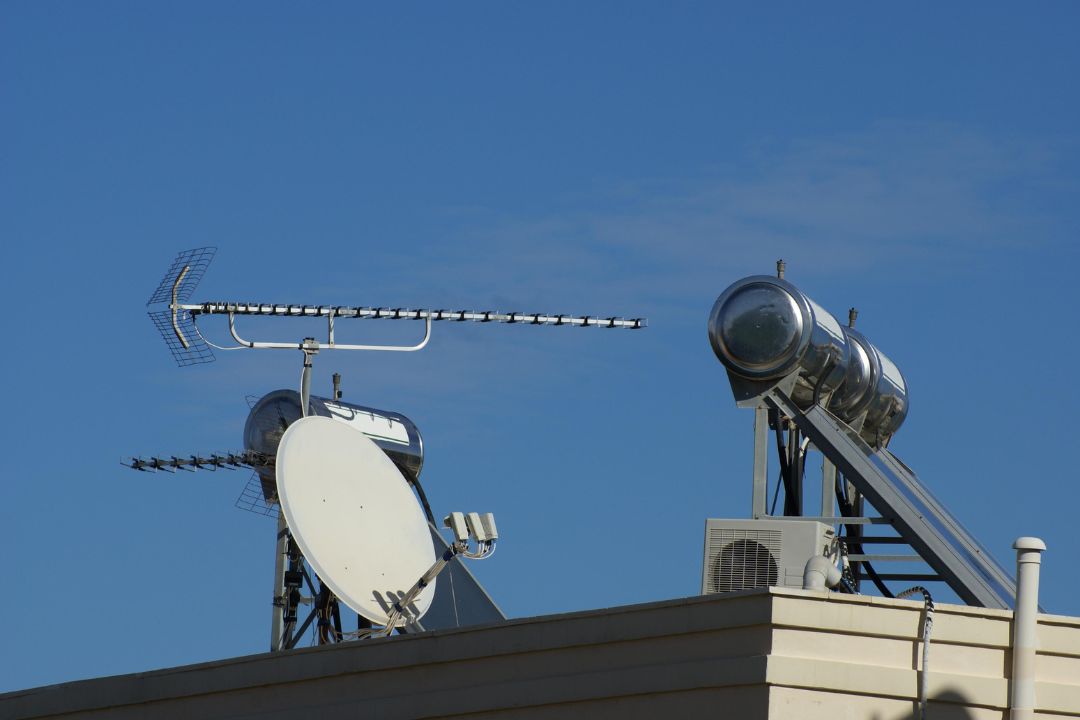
(828, 484)
(760, 496)
(331, 345)
(305, 384)
(281, 553)
(1025, 639)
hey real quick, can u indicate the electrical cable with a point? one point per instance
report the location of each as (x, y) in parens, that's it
(928, 624)
(793, 499)
(821, 379)
(875, 578)
(804, 446)
(303, 410)
(846, 510)
(781, 448)
(846, 577)
(423, 499)
(776, 493)
(213, 345)
(784, 450)
(784, 457)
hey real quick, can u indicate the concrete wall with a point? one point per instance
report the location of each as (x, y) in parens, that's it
(839, 656)
(762, 654)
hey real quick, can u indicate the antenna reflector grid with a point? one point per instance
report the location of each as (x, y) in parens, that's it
(195, 262)
(176, 325)
(196, 351)
(253, 498)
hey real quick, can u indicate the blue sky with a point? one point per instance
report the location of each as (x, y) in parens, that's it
(921, 163)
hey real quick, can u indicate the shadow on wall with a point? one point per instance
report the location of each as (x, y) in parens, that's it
(948, 705)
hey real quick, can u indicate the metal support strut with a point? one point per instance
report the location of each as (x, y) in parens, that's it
(310, 348)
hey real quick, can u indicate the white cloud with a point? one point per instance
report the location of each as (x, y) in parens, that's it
(903, 198)
(896, 193)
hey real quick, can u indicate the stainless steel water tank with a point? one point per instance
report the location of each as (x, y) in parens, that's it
(886, 401)
(394, 433)
(764, 328)
(855, 393)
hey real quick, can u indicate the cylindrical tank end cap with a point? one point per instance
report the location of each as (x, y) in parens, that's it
(756, 329)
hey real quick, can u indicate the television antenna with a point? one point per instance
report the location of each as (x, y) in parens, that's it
(270, 421)
(178, 320)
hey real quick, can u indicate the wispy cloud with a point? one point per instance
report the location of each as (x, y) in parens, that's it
(909, 198)
(893, 193)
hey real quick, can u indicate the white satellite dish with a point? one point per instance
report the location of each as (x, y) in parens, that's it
(354, 517)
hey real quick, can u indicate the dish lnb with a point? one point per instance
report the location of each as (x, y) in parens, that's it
(764, 328)
(481, 527)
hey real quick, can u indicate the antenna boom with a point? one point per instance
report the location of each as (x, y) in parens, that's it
(374, 313)
(178, 320)
(213, 461)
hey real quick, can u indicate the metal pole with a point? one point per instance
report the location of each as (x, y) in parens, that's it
(1025, 627)
(859, 509)
(828, 487)
(761, 463)
(309, 348)
(281, 551)
(291, 595)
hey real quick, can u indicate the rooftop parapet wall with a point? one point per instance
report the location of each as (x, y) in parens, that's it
(827, 647)
(756, 654)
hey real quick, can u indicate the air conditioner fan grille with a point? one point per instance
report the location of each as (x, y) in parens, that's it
(743, 559)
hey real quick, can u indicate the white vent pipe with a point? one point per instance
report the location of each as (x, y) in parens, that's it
(820, 573)
(1025, 627)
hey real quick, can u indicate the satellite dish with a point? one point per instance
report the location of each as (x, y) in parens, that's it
(354, 517)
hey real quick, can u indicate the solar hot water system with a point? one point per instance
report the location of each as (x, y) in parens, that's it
(815, 384)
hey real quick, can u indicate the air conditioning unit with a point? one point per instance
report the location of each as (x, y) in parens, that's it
(744, 554)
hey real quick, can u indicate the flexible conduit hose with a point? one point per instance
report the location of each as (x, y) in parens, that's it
(928, 624)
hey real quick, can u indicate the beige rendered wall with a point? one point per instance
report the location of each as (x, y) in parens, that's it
(841, 656)
(778, 653)
(667, 660)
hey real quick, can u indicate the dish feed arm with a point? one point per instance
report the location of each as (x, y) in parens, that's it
(474, 526)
